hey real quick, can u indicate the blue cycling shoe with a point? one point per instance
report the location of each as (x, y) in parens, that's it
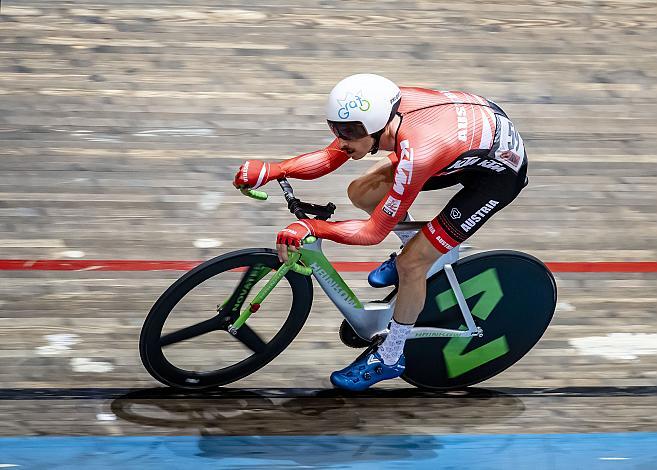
(365, 371)
(386, 274)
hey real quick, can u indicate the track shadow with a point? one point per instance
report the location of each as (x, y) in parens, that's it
(314, 412)
(109, 393)
(329, 416)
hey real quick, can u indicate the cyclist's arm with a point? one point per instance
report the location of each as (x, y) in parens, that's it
(314, 164)
(364, 232)
(255, 173)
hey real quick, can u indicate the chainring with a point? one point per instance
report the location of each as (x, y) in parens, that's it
(349, 337)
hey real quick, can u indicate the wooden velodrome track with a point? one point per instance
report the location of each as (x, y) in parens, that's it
(122, 123)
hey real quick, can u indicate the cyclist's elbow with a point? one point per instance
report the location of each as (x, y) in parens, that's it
(372, 236)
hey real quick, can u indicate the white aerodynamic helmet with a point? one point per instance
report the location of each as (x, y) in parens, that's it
(362, 105)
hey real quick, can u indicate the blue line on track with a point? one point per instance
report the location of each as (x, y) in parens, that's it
(490, 451)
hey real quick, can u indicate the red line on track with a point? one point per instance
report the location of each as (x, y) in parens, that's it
(344, 266)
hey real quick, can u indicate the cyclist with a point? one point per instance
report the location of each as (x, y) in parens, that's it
(437, 139)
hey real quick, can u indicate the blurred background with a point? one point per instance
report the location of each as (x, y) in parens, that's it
(122, 125)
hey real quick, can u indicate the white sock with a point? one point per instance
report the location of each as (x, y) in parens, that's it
(406, 235)
(393, 346)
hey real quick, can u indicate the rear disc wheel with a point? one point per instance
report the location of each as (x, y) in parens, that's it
(512, 297)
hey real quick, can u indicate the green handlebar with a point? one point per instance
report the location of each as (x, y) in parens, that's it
(259, 195)
(294, 265)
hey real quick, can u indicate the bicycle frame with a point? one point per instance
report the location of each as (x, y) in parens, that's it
(372, 318)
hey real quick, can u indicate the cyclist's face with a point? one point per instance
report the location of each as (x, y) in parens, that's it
(358, 148)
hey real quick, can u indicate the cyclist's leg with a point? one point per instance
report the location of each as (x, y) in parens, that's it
(482, 196)
(366, 191)
(386, 273)
(412, 266)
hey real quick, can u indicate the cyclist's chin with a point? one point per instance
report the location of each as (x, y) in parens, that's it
(358, 155)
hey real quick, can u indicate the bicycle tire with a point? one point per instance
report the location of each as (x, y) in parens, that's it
(516, 322)
(160, 368)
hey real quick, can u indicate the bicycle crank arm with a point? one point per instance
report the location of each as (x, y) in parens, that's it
(291, 264)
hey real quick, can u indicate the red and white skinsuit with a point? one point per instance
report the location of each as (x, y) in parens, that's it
(436, 129)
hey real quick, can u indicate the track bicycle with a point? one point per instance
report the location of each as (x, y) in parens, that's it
(481, 315)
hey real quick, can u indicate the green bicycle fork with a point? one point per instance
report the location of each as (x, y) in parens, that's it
(291, 264)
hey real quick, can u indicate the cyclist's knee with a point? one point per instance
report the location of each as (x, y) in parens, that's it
(354, 192)
(358, 195)
(412, 264)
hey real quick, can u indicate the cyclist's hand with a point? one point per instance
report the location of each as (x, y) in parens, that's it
(290, 237)
(254, 173)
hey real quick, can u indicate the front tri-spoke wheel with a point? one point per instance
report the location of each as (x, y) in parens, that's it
(185, 340)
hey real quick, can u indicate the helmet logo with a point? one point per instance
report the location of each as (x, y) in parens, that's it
(352, 101)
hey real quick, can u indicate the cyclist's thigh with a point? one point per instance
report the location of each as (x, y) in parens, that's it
(483, 196)
(444, 181)
(457, 171)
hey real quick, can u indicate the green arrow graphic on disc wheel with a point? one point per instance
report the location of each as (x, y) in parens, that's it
(458, 363)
